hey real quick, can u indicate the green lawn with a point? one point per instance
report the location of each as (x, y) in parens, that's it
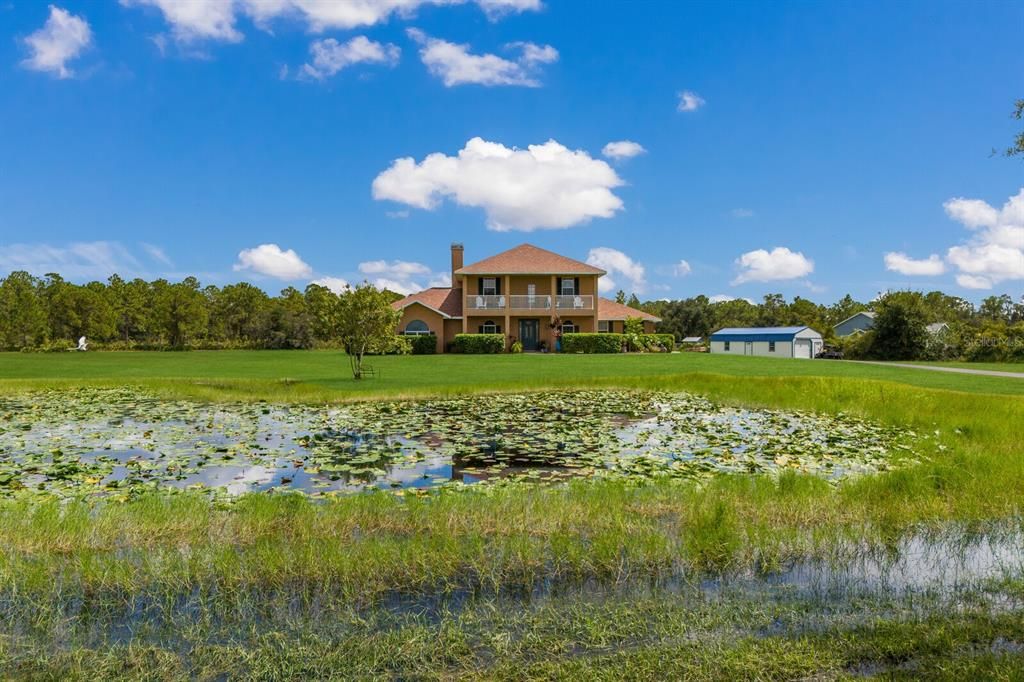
(1016, 367)
(324, 375)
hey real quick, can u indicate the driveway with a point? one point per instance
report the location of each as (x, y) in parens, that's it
(954, 370)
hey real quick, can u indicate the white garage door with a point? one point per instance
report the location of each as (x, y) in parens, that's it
(802, 349)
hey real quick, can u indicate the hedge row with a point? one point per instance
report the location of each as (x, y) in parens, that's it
(423, 344)
(613, 343)
(668, 341)
(478, 343)
(592, 343)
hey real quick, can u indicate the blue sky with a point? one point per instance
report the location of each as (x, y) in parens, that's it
(813, 149)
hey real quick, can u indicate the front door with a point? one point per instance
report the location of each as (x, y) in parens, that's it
(529, 330)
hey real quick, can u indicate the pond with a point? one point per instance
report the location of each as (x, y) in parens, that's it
(123, 441)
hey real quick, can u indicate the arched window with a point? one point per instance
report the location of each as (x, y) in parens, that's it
(416, 328)
(489, 327)
(569, 328)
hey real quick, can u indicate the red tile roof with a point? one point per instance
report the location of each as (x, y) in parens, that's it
(610, 310)
(444, 300)
(448, 302)
(527, 259)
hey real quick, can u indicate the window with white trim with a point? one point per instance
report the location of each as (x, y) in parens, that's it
(568, 286)
(490, 286)
(569, 328)
(771, 346)
(417, 328)
(489, 327)
(604, 326)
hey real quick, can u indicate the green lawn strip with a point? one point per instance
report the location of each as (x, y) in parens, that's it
(276, 373)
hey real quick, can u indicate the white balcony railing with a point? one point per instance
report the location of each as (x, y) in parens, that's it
(527, 302)
(485, 302)
(574, 302)
(534, 302)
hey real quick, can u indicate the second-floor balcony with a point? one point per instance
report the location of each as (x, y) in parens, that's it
(486, 302)
(564, 303)
(528, 302)
(576, 302)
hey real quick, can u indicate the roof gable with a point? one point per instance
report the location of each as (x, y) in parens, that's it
(610, 310)
(864, 313)
(756, 333)
(527, 259)
(443, 300)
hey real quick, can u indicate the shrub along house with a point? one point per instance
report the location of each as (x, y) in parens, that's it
(526, 294)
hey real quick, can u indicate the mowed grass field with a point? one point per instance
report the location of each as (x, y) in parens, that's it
(324, 375)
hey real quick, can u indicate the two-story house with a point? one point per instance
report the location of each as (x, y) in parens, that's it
(526, 293)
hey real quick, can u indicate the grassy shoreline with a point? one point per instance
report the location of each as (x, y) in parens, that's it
(362, 550)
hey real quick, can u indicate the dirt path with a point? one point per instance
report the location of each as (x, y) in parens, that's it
(955, 370)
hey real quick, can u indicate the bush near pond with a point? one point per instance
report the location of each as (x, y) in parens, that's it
(478, 343)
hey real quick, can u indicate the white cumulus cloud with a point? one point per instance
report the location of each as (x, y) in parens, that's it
(157, 253)
(216, 20)
(455, 65)
(623, 149)
(545, 186)
(398, 268)
(329, 56)
(81, 260)
(196, 19)
(619, 267)
(403, 277)
(725, 298)
(769, 266)
(61, 39)
(689, 101)
(272, 261)
(995, 253)
(905, 265)
(335, 284)
(681, 269)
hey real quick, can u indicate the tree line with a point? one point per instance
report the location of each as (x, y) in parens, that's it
(50, 313)
(993, 330)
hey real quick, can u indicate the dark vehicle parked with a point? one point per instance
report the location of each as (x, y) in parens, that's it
(829, 354)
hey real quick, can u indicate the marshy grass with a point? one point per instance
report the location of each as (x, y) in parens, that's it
(297, 559)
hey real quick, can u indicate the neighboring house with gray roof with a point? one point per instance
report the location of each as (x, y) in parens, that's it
(855, 324)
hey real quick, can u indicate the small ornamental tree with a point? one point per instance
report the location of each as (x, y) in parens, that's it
(366, 323)
(633, 330)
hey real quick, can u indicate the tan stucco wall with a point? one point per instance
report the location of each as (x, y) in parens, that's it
(619, 327)
(451, 328)
(433, 320)
(520, 284)
(588, 285)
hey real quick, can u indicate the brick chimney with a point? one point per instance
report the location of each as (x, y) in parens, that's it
(456, 259)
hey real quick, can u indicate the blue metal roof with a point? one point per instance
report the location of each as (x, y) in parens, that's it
(756, 333)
